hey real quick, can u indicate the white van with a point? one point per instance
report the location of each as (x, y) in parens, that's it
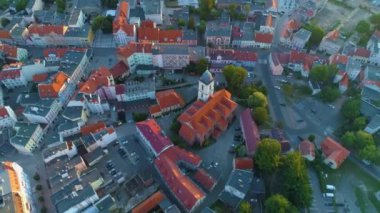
(328, 195)
(330, 187)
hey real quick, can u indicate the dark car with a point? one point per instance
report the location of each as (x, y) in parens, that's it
(237, 128)
(300, 138)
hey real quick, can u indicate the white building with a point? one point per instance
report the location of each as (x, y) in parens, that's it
(43, 114)
(134, 90)
(101, 139)
(37, 67)
(12, 78)
(77, 18)
(95, 105)
(16, 190)
(62, 149)
(7, 117)
(205, 86)
(28, 137)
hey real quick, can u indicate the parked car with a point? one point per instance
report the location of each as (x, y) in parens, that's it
(328, 195)
(330, 187)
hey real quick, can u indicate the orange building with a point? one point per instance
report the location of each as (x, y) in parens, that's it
(205, 119)
(15, 189)
(167, 100)
(53, 88)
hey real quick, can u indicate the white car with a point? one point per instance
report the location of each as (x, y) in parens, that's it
(277, 87)
(332, 106)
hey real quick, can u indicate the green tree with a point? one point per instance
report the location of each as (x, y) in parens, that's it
(287, 89)
(247, 9)
(363, 139)
(61, 5)
(278, 204)
(232, 10)
(317, 35)
(97, 23)
(39, 187)
(112, 4)
(4, 4)
(235, 77)
(359, 123)
(329, 94)
(295, 180)
(370, 153)
(4, 22)
(351, 109)
(323, 73)
(202, 27)
(181, 23)
(349, 139)
(36, 177)
(43, 209)
(245, 207)
(21, 5)
(201, 65)
(41, 199)
(260, 115)
(267, 155)
(311, 138)
(206, 7)
(191, 24)
(257, 99)
(363, 27)
(107, 25)
(375, 19)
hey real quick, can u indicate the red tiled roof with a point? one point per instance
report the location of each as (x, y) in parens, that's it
(338, 59)
(230, 54)
(334, 151)
(153, 134)
(133, 47)
(307, 148)
(8, 50)
(186, 192)
(345, 81)
(146, 34)
(121, 16)
(170, 36)
(119, 69)
(169, 98)
(44, 30)
(9, 74)
(202, 119)
(92, 128)
(243, 163)
(333, 35)
(250, 131)
(5, 34)
(362, 52)
(51, 89)
(119, 88)
(263, 37)
(150, 203)
(297, 57)
(3, 112)
(148, 24)
(97, 79)
(37, 78)
(154, 109)
(204, 179)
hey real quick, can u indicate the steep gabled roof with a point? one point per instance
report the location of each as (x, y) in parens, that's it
(97, 79)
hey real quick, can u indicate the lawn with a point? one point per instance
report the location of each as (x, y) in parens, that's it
(349, 169)
(171, 3)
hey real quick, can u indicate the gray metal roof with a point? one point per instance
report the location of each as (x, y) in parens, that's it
(206, 77)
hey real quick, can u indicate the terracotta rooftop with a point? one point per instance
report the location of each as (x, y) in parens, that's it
(186, 192)
(153, 134)
(338, 59)
(263, 37)
(119, 69)
(3, 112)
(60, 52)
(169, 98)
(9, 74)
(200, 118)
(307, 148)
(9, 50)
(150, 203)
(170, 36)
(148, 34)
(205, 179)
(245, 163)
(250, 131)
(121, 16)
(133, 47)
(52, 88)
(44, 30)
(92, 128)
(97, 79)
(334, 151)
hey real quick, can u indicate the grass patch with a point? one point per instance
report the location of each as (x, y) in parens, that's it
(342, 4)
(360, 198)
(374, 201)
(171, 3)
(220, 207)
